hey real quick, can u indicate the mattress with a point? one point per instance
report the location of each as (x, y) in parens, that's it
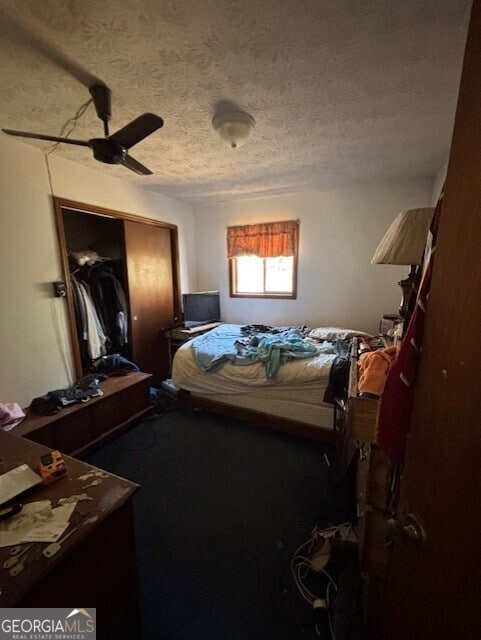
(295, 394)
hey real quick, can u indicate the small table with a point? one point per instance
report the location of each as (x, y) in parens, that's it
(178, 335)
(95, 566)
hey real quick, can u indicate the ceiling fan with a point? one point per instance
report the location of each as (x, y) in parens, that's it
(112, 149)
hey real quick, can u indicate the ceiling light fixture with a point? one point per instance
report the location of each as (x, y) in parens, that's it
(234, 127)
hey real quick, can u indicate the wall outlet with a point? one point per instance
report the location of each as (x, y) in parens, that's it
(60, 289)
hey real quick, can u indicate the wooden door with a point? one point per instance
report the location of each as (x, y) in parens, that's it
(434, 592)
(150, 274)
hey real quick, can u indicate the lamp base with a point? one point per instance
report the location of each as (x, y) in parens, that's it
(407, 286)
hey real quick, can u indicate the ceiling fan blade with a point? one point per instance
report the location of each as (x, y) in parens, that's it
(135, 166)
(39, 136)
(137, 130)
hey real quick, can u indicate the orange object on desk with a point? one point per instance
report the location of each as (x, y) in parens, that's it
(52, 466)
(373, 368)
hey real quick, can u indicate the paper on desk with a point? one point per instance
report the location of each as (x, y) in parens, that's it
(17, 481)
(33, 513)
(48, 532)
(52, 530)
(35, 518)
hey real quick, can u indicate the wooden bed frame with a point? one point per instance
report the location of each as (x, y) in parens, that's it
(190, 403)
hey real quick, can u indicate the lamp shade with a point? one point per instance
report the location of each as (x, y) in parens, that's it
(405, 239)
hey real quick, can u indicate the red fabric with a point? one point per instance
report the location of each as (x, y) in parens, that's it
(265, 240)
(396, 403)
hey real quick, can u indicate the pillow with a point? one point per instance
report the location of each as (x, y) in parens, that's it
(335, 333)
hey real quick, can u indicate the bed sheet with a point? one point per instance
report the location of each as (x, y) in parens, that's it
(305, 374)
(296, 394)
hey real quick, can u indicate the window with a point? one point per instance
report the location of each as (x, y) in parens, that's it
(263, 259)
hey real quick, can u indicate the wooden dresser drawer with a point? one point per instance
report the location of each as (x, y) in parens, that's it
(106, 414)
(74, 432)
(362, 418)
(362, 479)
(135, 398)
(80, 428)
(379, 479)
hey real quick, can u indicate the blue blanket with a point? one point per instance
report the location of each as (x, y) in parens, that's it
(212, 350)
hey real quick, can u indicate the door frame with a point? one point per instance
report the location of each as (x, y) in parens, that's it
(62, 203)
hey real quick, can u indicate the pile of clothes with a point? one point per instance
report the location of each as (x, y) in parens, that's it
(87, 387)
(53, 401)
(373, 369)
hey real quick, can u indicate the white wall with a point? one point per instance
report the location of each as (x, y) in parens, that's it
(438, 183)
(337, 284)
(34, 340)
(339, 231)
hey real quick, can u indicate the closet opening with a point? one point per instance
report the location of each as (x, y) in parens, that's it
(122, 278)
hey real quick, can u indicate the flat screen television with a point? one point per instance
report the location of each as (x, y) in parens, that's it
(200, 308)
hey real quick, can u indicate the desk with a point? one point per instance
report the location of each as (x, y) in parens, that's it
(96, 564)
(178, 335)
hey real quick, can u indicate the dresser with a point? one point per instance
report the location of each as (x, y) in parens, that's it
(81, 428)
(356, 423)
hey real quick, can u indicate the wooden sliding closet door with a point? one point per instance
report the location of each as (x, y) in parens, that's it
(148, 251)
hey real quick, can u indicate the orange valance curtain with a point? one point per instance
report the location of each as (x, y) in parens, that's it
(267, 240)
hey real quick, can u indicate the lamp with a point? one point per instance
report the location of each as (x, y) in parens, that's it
(404, 243)
(234, 127)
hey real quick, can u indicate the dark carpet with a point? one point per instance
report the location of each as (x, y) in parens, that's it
(222, 507)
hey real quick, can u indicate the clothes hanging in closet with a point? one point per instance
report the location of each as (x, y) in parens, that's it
(110, 301)
(92, 331)
(100, 311)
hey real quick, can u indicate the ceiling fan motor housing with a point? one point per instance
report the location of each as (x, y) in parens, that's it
(108, 151)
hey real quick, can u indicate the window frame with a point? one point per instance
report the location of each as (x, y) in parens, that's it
(269, 295)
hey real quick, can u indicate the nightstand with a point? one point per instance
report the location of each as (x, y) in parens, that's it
(176, 336)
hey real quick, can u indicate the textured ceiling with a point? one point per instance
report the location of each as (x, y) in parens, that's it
(341, 90)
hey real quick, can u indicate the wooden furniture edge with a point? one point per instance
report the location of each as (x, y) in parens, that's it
(191, 402)
(104, 422)
(103, 515)
(361, 412)
(123, 426)
(25, 427)
(372, 486)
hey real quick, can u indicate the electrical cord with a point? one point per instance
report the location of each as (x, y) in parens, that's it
(303, 567)
(74, 120)
(329, 607)
(155, 437)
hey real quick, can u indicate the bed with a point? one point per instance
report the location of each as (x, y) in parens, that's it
(291, 401)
